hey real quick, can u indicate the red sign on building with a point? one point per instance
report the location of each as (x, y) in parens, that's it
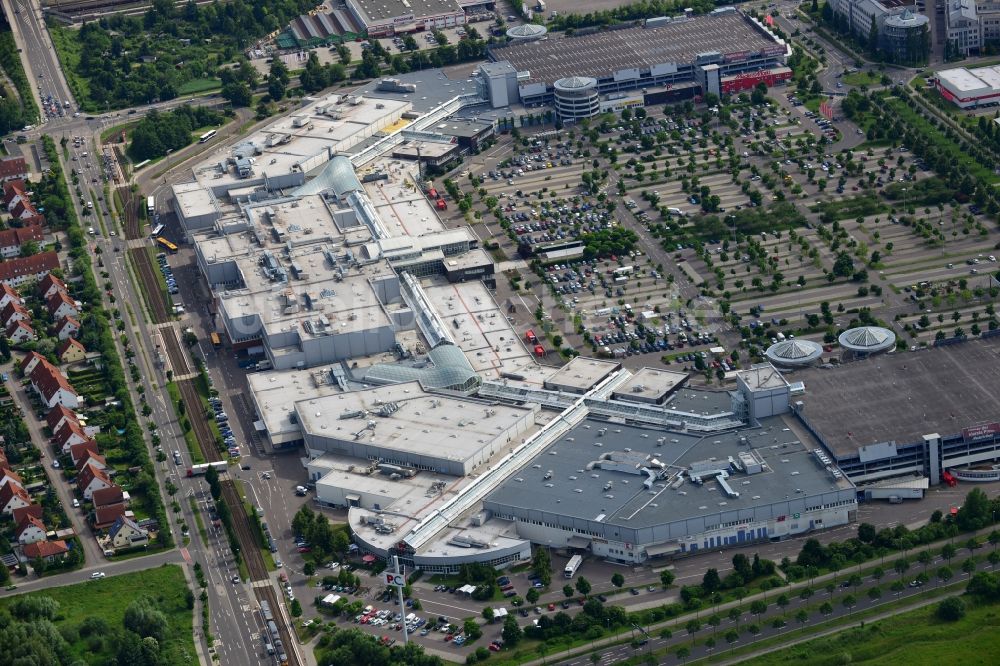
(979, 432)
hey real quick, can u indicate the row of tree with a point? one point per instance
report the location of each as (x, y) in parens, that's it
(160, 133)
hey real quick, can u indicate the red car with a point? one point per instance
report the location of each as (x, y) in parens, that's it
(552, 607)
(494, 647)
(305, 549)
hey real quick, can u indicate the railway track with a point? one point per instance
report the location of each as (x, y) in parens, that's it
(267, 594)
(151, 283)
(178, 363)
(249, 544)
(133, 228)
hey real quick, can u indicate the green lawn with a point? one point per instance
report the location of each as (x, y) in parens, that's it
(916, 638)
(195, 86)
(107, 599)
(861, 79)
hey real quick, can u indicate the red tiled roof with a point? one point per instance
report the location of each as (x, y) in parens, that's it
(29, 357)
(9, 490)
(11, 189)
(23, 206)
(89, 457)
(20, 323)
(48, 281)
(65, 322)
(106, 516)
(19, 513)
(49, 380)
(58, 299)
(4, 464)
(13, 167)
(26, 522)
(18, 236)
(108, 496)
(13, 475)
(9, 290)
(67, 343)
(57, 413)
(88, 474)
(36, 264)
(45, 549)
(77, 452)
(14, 307)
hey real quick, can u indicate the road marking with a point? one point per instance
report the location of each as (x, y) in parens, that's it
(186, 555)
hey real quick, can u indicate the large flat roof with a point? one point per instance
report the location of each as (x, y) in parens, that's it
(277, 392)
(792, 471)
(581, 374)
(603, 53)
(650, 384)
(962, 79)
(403, 209)
(435, 425)
(478, 326)
(901, 397)
(379, 10)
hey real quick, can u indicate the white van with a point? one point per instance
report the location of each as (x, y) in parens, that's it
(675, 211)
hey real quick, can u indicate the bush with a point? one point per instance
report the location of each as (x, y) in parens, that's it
(951, 609)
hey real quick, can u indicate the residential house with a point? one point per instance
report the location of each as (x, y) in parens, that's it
(8, 295)
(17, 271)
(67, 328)
(49, 551)
(31, 510)
(104, 517)
(20, 332)
(108, 496)
(52, 386)
(12, 168)
(126, 533)
(14, 191)
(59, 416)
(12, 496)
(70, 436)
(92, 459)
(78, 452)
(92, 478)
(61, 305)
(12, 239)
(12, 312)
(30, 362)
(49, 285)
(70, 350)
(23, 210)
(4, 463)
(30, 530)
(10, 476)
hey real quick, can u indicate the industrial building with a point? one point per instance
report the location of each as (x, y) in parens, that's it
(668, 59)
(918, 415)
(970, 88)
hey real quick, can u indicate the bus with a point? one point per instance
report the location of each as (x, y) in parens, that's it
(165, 244)
(206, 136)
(216, 341)
(157, 230)
(150, 204)
(572, 566)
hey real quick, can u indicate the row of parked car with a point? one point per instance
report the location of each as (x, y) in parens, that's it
(222, 419)
(168, 273)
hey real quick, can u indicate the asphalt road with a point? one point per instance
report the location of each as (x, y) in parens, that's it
(39, 59)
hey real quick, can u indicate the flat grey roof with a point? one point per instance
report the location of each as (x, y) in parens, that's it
(582, 373)
(701, 401)
(628, 504)
(603, 53)
(378, 10)
(650, 384)
(901, 397)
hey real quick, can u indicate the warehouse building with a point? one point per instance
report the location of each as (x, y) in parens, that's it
(898, 416)
(667, 59)
(970, 88)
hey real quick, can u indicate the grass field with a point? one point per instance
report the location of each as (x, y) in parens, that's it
(107, 599)
(916, 638)
(861, 79)
(195, 86)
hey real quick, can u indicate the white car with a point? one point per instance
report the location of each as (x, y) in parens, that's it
(76, 503)
(97, 575)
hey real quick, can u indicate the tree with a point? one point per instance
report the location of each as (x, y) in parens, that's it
(802, 616)
(531, 596)
(568, 591)
(844, 265)
(583, 586)
(295, 608)
(666, 579)
(875, 593)
(951, 609)
(975, 513)
(732, 636)
(826, 608)
(866, 533)
(145, 619)
(617, 580)
(969, 566)
(683, 652)
(471, 629)
(711, 581)
(693, 626)
(511, 633)
(758, 607)
(237, 93)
